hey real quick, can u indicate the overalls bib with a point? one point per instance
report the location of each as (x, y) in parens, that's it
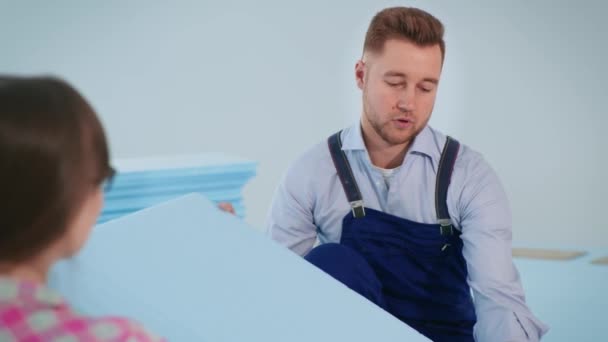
(415, 271)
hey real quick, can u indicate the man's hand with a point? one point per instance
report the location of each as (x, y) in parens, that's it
(227, 207)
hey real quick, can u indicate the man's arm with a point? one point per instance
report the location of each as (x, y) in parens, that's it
(290, 219)
(485, 220)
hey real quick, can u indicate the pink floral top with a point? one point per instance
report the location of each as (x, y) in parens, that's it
(34, 313)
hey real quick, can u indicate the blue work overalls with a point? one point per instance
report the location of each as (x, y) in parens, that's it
(415, 271)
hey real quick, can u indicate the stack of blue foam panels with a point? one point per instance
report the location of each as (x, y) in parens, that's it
(144, 182)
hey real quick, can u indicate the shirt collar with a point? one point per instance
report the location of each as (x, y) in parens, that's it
(424, 143)
(352, 138)
(15, 290)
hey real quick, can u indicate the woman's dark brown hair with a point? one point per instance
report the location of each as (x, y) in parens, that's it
(53, 153)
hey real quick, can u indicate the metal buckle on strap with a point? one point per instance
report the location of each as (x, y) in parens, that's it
(357, 208)
(445, 227)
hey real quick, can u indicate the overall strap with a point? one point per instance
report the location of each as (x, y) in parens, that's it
(444, 175)
(345, 173)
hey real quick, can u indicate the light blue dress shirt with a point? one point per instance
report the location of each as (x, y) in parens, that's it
(310, 204)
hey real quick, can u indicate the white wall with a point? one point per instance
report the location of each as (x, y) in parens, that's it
(267, 79)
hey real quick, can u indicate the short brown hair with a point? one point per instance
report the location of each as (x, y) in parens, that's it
(53, 152)
(406, 23)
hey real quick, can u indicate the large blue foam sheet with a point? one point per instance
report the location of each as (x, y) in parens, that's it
(192, 273)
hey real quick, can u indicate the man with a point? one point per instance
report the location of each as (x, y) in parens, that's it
(406, 216)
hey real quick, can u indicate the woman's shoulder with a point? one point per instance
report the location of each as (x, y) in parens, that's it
(108, 329)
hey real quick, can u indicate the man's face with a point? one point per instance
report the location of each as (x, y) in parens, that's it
(399, 88)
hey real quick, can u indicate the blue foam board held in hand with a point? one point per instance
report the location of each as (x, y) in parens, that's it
(190, 272)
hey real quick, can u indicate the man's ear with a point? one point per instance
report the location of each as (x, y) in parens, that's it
(360, 70)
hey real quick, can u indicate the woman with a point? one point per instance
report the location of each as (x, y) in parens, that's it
(53, 164)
